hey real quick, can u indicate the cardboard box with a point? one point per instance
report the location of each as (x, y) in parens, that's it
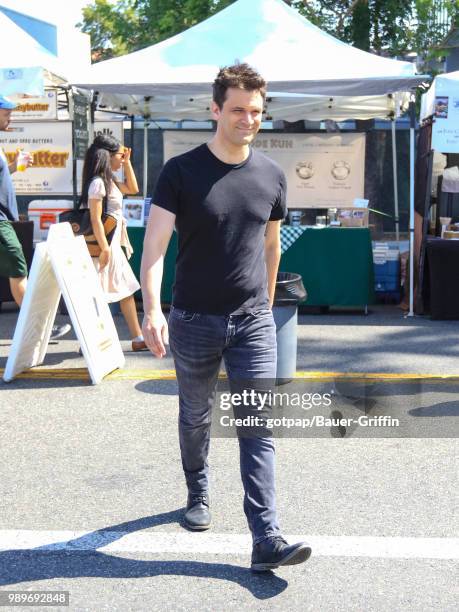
(353, 217)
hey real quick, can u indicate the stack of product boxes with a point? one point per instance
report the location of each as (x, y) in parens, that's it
(386, 259)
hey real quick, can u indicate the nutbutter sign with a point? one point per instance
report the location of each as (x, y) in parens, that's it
(36, 108)
(50, 144)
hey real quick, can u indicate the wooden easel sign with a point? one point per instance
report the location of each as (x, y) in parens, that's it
(62, 265)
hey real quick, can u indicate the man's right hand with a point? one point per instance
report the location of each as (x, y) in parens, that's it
(155, 332)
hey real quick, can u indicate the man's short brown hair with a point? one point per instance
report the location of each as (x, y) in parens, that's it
(239, 76)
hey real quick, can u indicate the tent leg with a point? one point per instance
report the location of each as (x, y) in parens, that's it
(412, 127)
(145, 158)
(394, 165)
(132, 135)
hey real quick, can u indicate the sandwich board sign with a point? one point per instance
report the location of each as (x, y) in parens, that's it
(62, 265)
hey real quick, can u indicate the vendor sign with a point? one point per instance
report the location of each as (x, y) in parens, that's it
(80, 125)
(39, 108)
(109, 128)
(322, 170)
(50, 144)
(445, 130)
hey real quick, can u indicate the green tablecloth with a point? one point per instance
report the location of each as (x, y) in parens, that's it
(136, 236)
(336, 264)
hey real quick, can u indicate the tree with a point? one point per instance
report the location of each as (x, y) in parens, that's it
(129, 25)
(388, 27)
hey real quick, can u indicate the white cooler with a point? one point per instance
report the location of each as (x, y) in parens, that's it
(44, 213)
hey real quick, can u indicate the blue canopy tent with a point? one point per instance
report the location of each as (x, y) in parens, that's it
(26, 67)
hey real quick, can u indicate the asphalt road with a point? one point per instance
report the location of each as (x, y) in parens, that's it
(92, 493)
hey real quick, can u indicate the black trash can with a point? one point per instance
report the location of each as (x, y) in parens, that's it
(289, 292)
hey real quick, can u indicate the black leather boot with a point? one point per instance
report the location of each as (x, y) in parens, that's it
(274, 552)
(197, 515)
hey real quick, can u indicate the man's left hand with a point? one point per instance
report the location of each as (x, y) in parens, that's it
(26, 160)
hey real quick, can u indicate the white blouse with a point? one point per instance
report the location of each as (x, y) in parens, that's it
(97, 191)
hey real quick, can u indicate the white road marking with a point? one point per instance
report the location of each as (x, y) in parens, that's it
(225, 544)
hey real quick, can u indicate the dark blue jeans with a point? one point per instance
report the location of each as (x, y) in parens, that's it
(247, 343)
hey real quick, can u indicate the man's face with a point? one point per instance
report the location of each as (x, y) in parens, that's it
(4, 118)
(239, 120)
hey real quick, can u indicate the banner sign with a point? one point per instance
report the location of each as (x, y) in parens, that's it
(35, 108)
(109, 128)
(50, 144)
(322, 170)
(445, 130)
(80, 125)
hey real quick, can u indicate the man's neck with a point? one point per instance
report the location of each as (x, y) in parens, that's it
(227, 153)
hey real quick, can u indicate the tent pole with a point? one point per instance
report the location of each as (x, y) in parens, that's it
(132, 134)
(412, 126)
(145, 157)
(394, 165)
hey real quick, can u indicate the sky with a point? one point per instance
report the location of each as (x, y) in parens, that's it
(59, 12)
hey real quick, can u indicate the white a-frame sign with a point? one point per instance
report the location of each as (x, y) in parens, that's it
(62, 265)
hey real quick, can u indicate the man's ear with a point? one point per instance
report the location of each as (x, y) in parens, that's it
(215, 110)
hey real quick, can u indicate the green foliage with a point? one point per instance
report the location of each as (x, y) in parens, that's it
(430, 31)
(390, 27)
(360, 25)
(129, 25)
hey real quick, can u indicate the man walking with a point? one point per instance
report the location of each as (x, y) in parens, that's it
(12, 261)
(227, 202)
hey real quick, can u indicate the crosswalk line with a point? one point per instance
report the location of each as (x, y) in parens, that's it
(225, 544)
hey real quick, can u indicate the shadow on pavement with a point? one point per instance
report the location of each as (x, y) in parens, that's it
(80, 558)
(45, 383)
(443, 409)
(157, 387)
(52, 359)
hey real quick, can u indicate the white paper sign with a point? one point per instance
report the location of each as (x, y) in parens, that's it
(360, 203)
(322, 170)
(133, 211)
(36, 108)
(50, 144)
(62, 264)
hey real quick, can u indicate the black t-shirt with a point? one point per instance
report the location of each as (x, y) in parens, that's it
(221, 215)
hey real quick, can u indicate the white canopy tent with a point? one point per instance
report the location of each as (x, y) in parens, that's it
(26, 67)
(279, 106)
(443, 85)
(290, 52)
(310, 74)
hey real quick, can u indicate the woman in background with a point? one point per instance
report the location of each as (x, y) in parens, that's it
(103, 158)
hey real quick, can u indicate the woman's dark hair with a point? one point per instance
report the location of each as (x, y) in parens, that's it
(97, 163)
